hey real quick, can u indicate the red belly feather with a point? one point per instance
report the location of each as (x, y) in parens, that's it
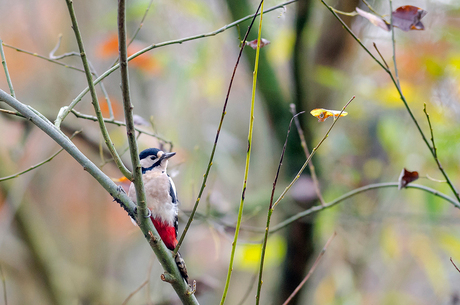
(167, 233)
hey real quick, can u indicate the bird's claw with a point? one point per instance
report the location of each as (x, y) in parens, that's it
(191, 288)
(148, 210)
(120, 189)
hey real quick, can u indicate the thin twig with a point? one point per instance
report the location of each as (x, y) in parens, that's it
(58, 44)
(433, 148)
(380, 54)
(104, 91)
(357, 191)
(311, 166)
(372, 9)
(435, 180)
(38, 164)
(44, 57)
(248, 290)
(135, 291)
(311, 154)
(311, 270)
(54, 59)
(248, 152)
(119, 123)
(11, 112)
(5, 68)
(141, 24)
(92, 89)
(270, 209)
(64, 114)
(351, 14)
(224, 112)
(393, 44)
(454, 264)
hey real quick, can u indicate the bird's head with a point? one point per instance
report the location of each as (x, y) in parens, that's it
(153, 158)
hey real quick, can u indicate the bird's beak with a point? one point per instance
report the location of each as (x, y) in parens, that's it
(168, 155)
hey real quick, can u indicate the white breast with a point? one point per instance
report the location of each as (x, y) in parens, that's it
(156, 185)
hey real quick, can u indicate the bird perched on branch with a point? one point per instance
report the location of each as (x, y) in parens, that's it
(161, 199)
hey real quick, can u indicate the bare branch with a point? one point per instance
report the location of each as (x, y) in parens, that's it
(311, 270)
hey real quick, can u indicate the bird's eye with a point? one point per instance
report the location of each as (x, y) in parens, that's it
(153, 157)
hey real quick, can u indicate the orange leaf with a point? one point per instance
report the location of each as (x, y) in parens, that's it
(146, 62)
(322, 114)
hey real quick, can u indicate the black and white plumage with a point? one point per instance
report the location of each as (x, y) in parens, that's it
(161, 198)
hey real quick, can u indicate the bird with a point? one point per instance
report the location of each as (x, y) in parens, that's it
(161, 199)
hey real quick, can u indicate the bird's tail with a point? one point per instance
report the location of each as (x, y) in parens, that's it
(181, 265)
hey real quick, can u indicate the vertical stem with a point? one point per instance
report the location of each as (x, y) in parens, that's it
(393, 43)
(128, 110)
(262, 260)
(5, 67)
(270, 211)
(311, 166)
(248, 157)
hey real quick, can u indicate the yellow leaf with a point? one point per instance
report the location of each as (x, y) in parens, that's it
(322, 114)
(248, 256)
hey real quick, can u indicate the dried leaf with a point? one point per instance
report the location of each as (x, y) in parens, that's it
(406, 177)
(408, 18)
(253, 43)
(375, 20)
(322, 114)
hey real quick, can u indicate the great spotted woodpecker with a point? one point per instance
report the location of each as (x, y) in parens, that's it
(161, 199)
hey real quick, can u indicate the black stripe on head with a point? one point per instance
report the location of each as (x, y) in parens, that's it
(148, 154)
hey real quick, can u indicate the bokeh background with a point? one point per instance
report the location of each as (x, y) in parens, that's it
(63, 240)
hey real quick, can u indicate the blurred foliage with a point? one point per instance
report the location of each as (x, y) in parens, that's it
(392, 247)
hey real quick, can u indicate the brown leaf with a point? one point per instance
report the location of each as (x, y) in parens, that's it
(253, 43)
(408, 18)
(406, 177)
(375, 20)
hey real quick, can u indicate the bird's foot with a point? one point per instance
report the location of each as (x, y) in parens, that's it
(120, 189)
(149, 213)
(191, 288)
